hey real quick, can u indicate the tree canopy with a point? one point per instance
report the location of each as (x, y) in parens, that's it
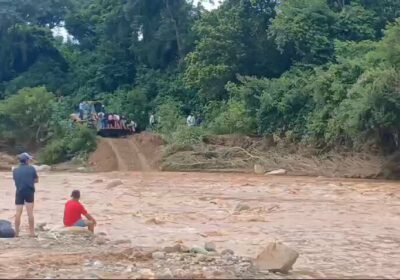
(323, 72)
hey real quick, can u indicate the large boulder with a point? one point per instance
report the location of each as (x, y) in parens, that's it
(276, 257)
(6, 230)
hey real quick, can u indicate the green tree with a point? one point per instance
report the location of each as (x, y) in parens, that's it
(304, 30)
(27, 113)
(356, 23)
(233, 40)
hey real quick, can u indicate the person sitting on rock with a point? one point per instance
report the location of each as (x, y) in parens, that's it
(73, 211)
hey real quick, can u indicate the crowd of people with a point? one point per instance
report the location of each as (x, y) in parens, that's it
(104, 120)
(114, 121)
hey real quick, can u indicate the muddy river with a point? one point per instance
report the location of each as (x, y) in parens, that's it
(341, 228)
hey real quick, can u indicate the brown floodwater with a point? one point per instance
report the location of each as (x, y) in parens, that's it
(341, 228)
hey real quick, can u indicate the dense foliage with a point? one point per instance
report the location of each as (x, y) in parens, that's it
(324, 72)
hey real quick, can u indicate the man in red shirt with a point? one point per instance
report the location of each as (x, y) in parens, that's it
(73, 211)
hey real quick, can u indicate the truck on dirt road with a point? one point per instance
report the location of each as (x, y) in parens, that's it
(93, 115)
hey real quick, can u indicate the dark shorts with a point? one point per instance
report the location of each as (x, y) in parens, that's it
(80, 223)
(25, 196)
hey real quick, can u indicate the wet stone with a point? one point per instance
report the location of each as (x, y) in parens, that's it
(242, 207)
(210, 247)
(227, 252)
(158, 255)
(198, 250)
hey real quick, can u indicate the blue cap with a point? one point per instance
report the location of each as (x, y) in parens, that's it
(24, 157)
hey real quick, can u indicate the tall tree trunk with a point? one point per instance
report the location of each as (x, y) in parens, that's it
(177, 32)
(341, 3)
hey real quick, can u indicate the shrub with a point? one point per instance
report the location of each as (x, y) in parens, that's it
(78, 140)
(83, 140)
(54, 152)
(186, 136)
(233, 119)
(169, 117)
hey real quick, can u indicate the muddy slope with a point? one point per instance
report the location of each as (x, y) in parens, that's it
(138, 153)
(241, 153)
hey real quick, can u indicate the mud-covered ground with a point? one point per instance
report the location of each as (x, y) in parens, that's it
(341, 228)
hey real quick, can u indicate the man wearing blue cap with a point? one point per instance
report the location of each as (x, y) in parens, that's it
(25, 177)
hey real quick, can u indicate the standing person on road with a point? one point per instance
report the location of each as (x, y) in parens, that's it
(73, 213)
(81, 110)
(199, 121)
(152, 121)
(25, 177)
(190, 121)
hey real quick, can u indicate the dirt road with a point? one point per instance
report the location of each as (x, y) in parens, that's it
(341, 228)
(138, 153)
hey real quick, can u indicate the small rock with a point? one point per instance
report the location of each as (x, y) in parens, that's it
(81, 169)
(41, 226)
(155, 221)
(184, 249)
(114, 183)
(210, 247)
(122, 241)
(174, 249)
(242, 207)
(228, 258)
(259, 169)
(179, 273)
(227, 252)
(210, 259)
(165, 274)
(98, 264)
(100, 240)
(198, 250)
(202, 258)
(276, 257)
(146, 273)
(277, 172)
(158, 255)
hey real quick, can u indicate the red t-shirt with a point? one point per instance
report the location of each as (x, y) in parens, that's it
(73, 211)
